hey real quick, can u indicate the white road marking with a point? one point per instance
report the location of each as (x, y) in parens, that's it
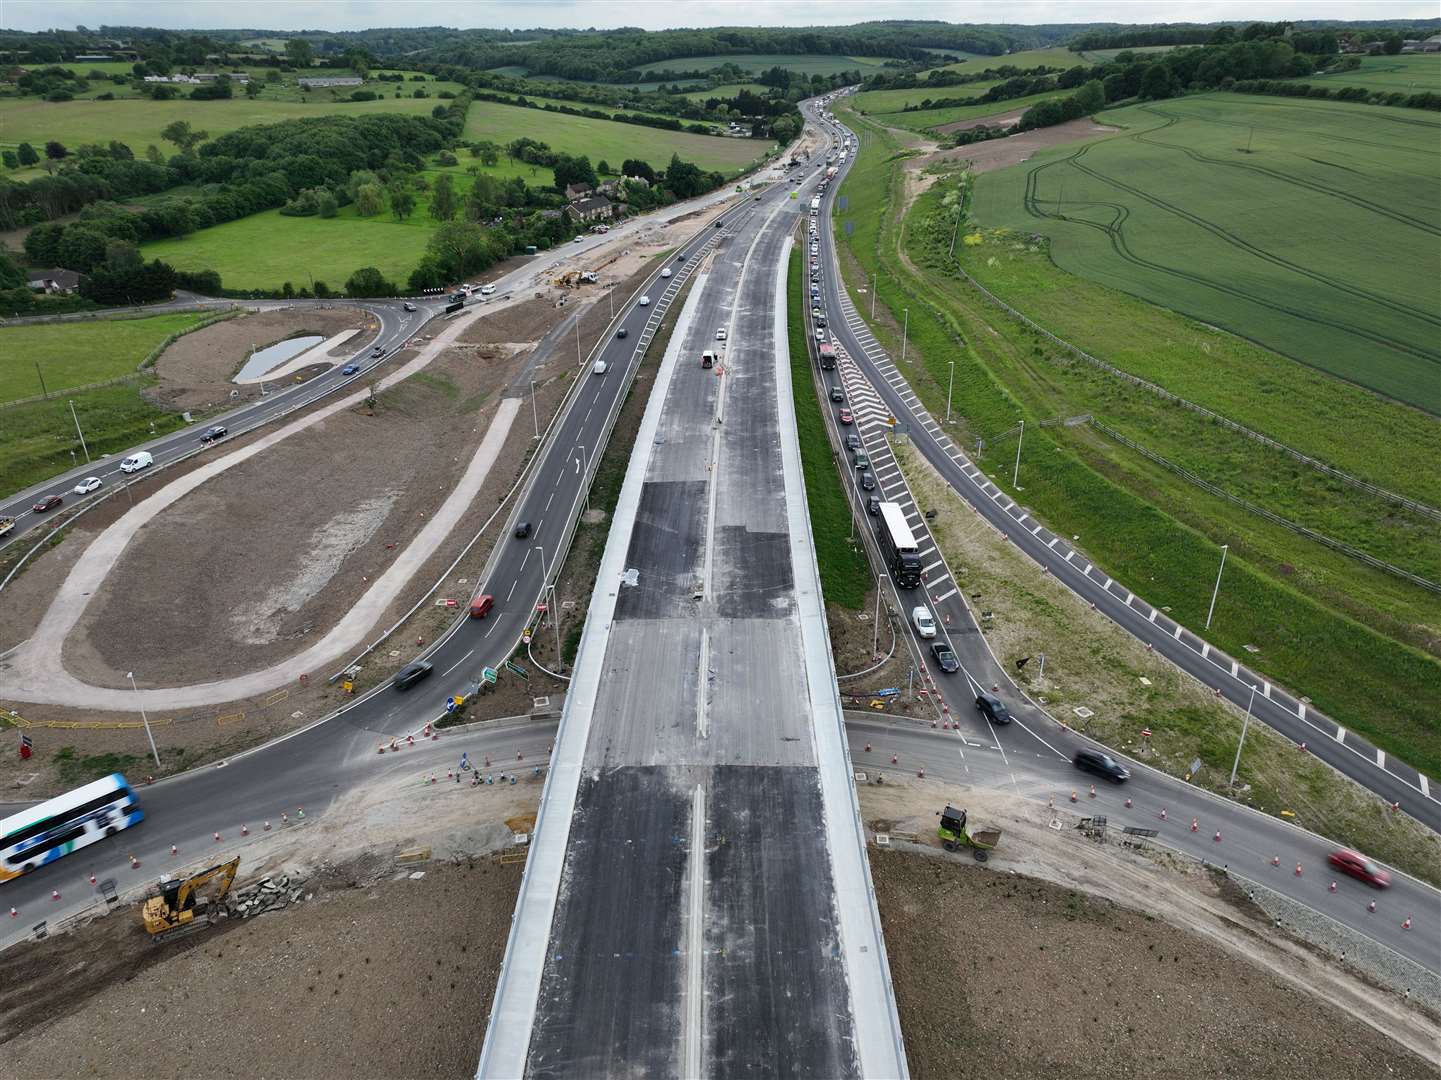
(946, 595)
(457, 664)
(547, 501)
(1381, 758)
(1154, 613)
(931, 566)
(1425, 785)
(695, 982)
(1235, 668)
(1177, 636)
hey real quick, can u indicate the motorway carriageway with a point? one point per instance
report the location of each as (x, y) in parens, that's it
(876, 391)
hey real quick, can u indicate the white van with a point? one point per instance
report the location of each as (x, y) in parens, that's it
(137, 461)
(487, 290)
(925, 625)
(599, 368)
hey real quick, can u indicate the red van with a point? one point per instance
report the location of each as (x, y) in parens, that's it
(480, 605)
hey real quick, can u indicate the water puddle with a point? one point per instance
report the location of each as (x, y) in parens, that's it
(271, 358)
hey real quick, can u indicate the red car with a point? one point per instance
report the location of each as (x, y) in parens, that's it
(1360, 867)
(845, 416)
(50, 502)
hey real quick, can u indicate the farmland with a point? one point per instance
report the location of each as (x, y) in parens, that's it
(137, 122)
(1299, 604)
(729, 90)
(77, 354)
(1409, 74)
(755, 63)
(875, 102)
(930, 119)
(609, 140)
(1320, 242)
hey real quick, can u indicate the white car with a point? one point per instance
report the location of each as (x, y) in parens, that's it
(487, 290)
(665, 273)
(86, 486)
(720, 335)
(923, 621)
(599, 368)
(578, 240)
(645, 301)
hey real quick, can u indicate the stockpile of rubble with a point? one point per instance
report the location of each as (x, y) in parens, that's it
(267, 894)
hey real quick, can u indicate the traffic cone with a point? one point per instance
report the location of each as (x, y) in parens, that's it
(245, 830)
(1275, 860)
(92, 879)
(54, 894)
(134, 863)
(1128, 802)
(519, 756)
(1163, 813)
(217, 838)
(1407, 924)
(1195, 824)
(921, 772)
(174, 851)
(1218, 836)
(1073, 796)
(1298, 869)
(410, 740)
(1093, 791)
(893, 759)
(868, 750)
(1333, 886)
(1371, 906)
(14, 914)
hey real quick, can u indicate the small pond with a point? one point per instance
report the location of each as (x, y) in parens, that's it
(271, 358)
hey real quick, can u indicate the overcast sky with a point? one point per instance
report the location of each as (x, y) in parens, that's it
(665, 14)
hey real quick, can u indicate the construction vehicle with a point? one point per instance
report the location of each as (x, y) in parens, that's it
(7, 525)
(954, 835)
(176, 909)
(573, 278)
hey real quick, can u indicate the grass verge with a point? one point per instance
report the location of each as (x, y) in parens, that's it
(1092, 662)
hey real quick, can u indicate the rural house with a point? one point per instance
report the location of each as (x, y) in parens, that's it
(576, 191)
(319, 84)
(53, 281)
(596, 208)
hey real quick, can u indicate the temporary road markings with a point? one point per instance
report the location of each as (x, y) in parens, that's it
(1054, 541)
(946, 595)
(1087, 570)
(1036, 531)
(1070, 555)
(1425, 785)
(927, 569)
(1235, 667)
(1177, 636)
(1154, 613)
(1022, 518)
(1107, 585)
(1266, 691)
(1206, 651)
(1301, 710)
(1129, 597)
(1381, 758)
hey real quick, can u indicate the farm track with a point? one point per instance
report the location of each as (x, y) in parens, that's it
(1284, 177)
(1115, 233)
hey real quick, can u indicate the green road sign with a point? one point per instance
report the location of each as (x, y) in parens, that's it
(489, 675)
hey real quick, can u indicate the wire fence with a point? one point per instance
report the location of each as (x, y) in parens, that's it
(1275, 519)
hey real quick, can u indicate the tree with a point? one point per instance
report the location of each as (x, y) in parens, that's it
(153, 155)
(300, 53)
(81, 249)
(1156, 82)
(56, 150)
(402, 201)
(11, 276)
(573, 170)
(1090, 98)
(460, 248)
(636, 167)
(272, 76)
(369, 199)
(485, 199)
(602, 167)
(325, 204)
(26, 153)
(368, 281)
(358, 60)
(11, 159)
(253, 88)
(488, 153)
(1392, 45)
(183, 136)
(443, 201)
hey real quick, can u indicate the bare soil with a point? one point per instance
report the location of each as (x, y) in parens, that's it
(1041, 965)
(196, 370)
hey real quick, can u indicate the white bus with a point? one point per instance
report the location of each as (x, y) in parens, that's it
(898, 547)
(815, 202)
(58, 826)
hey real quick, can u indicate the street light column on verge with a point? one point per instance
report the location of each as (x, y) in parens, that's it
(534, 413)
(584, 475)
(905, 331)
(876, 636)
(143, 718)
(1212, 609)
(950, 385)
(1244, 725)
(1016, 473)
(76, 418)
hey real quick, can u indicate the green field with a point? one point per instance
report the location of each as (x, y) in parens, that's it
(137, 122)
(80, 353)
(1360, 643)
(1101, 56)
(874, 102)
(930, 119)
(729, 90)
(755, 63)
(608, 140)
(609, 110)
(1409, 74)
(1323, 242)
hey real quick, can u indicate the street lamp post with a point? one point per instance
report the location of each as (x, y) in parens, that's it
(876, 636)
(554, 615)
(144, 719)
(534, 414)
(875, 280)
(950, 385)
(905, 331)
(76, 418)
(1244, 725)
(584, 474)
(1212, 609)
(1016, 473)
(579, 360)
(610, 296)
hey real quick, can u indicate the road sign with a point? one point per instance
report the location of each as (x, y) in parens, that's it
(1145, 733)
(890, 691)
(348, 686)
(517, 669)
(489, 675)
(525, 637)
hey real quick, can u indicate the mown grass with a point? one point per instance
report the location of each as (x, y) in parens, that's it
(1377, 686)
(1413, 73)
(729, 90)
(873, 102)
(927, 120)
(755, 63)
(845, 574)
(609, 140)
(37, 439)
(1311, 227)
(79, 353)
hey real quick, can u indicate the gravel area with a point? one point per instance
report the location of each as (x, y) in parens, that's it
(1373, 959)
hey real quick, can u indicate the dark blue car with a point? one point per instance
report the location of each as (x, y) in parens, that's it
(350, 369)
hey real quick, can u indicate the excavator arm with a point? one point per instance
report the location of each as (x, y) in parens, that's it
(225, 871)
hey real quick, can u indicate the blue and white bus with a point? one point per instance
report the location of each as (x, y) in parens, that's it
(46, 831)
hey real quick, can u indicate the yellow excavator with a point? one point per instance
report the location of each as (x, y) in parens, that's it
(177, 910)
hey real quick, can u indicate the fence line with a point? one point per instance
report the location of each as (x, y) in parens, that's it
(1241, 429)
(1275, 519)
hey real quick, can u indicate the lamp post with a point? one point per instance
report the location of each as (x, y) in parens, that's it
(579, 360)
(76, 418)
(1244, 725)
(876, 636)
(950, 385)
(875, 280)
(905, 331)
(1016, 473)
(1212, 609)
(584, 473)
(535, 415)
(143, 718)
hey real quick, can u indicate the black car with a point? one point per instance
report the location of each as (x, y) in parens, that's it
(621, 332)
(1093, 761)
(522, 530)
(214, 434)
(873, 506)
(411, 674)
(379, 350)
(837, 394)
(853, 441)
(993, 708)
(945, 657)
(868, 481)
